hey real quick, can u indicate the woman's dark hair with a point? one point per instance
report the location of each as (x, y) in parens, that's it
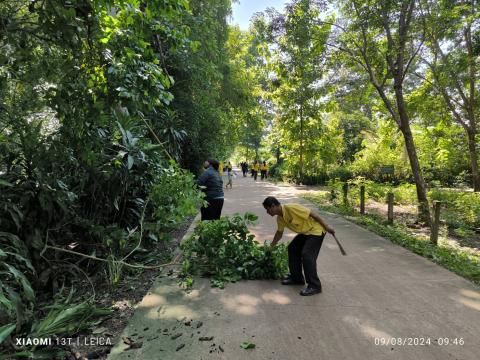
(270, 201)
(214, 163)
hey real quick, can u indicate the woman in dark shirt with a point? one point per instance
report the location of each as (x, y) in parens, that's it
(213, 188)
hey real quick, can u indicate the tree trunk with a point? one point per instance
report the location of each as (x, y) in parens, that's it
(472, 147)
(301, 141)
(472, 130)
(423, 208)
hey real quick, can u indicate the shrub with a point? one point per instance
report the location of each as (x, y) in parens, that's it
(174, 196)
(460, 208)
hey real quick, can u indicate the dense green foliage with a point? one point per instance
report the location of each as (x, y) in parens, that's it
(225, 250)
(387, 83)
(102, 102)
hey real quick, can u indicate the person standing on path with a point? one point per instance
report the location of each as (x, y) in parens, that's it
(244, 168)
(213, 189)
(263, 170)
(230, 176)
(304, 249)
(256, 167)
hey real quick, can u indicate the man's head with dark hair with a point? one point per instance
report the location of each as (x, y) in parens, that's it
(270, 201)
(272, 205)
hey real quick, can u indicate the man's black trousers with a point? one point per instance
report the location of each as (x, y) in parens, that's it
(213, 210)
(303, 252)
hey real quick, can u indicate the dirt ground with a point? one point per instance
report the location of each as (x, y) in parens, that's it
(123, 297)
(407, 214)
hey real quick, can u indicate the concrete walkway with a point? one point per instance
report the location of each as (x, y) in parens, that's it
(379, 293)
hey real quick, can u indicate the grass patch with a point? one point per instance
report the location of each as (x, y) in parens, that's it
(454, 258)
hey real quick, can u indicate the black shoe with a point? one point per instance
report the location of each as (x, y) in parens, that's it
(310, 291)
(290, 281)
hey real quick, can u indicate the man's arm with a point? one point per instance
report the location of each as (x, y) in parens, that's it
(318, 219)
(278, 235)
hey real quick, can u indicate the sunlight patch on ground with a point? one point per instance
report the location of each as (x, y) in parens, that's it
(276, 297)
(171, 311)
(469, 298)
(242, 304)
(152, 300)
(366, 329)
(245, 304)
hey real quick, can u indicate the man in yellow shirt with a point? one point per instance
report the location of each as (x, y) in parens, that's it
(304, 248)
(256, 168)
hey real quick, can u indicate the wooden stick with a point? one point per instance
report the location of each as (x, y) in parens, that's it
(342, 250)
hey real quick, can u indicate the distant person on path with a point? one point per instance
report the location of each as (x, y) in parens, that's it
(223, 172)
(263, 170)
(230, 176)
(220, 168)
(256, 168)
(304, 249)
(213, 190)
(244, 168)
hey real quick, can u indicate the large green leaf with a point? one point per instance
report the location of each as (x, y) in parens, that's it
(22, 259)
(27, 288)
(68, 319)
(5, 183)
(5, 331)
(4, 301)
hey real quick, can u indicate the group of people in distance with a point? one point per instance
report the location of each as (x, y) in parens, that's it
(255, 168)
(310, 228)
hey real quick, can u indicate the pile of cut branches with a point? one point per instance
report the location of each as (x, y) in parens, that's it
(225, 250)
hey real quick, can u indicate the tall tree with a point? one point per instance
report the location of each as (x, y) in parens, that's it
(383, 40)
(202, 75)
(300, 60)
(248, 54)
(453, 48)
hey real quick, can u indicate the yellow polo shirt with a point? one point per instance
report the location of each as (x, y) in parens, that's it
(297, 218)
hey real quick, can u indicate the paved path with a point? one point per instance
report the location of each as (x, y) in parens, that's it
(379, 291)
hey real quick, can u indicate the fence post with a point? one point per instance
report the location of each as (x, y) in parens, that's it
(436, 222)
(362, 199)
(345, 194)
(390, 207)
